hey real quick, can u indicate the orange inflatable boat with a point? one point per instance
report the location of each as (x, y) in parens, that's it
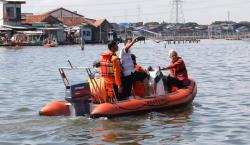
(79, 102)
(178, 98)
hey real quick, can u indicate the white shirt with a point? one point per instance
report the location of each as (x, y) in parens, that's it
(127, 62)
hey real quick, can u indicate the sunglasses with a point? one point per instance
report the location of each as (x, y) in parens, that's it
(172, 56)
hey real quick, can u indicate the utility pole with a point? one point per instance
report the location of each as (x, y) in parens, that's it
(176, 11)
(228, 25)
(139, 13)
(228, 16)
(126, 15)
(177, 15)
(100, 39)
(82, 41)
(126, 21)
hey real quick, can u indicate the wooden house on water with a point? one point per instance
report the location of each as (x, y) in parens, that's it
(10, 19)
(93, 31)
(51, 27)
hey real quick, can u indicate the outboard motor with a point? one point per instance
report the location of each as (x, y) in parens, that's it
(78, 95)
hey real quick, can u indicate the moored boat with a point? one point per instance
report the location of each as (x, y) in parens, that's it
(28, 38)
(79, 101)
(48, 45)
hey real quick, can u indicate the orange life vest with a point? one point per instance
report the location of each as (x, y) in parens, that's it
(106, 65)
(138, 89)
(138, 86)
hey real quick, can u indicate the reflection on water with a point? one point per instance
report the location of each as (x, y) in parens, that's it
(29, 79)
(134, 129)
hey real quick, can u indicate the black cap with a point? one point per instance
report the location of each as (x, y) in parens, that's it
(112, 44)
(96, 63)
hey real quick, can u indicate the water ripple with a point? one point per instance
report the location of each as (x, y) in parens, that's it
(219, 115)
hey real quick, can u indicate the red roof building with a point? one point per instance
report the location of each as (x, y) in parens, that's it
(99, 28)
(40, 18)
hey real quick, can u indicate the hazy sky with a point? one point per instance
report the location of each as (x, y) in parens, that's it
(200, 11)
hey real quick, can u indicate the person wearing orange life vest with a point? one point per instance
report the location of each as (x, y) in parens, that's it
(110, 70)
(140, 88)
(178, 73)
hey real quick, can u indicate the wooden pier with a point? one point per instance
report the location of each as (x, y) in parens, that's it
(170, 39)
(176, 39)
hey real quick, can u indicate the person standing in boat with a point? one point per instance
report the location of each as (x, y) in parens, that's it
(110, 70)
(178, 73)
(130, 75)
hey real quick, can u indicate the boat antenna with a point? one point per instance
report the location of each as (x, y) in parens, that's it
(70, 64)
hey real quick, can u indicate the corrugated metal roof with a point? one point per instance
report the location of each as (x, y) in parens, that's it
(50, 28)
(31, 32)
(60, 9)
(5, 29)
(40, 18)
(72, 21)
(99, 22)
(15, 27)
(34, 18)
(18, 1)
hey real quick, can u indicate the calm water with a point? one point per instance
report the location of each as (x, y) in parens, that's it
(220, 114)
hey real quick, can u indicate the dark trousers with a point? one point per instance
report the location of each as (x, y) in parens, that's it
(173, 82)
(117, 94)
(127, 83)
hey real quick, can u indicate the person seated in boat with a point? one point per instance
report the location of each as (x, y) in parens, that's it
(45, 41)
(140, 88)
(178, 73)
(130, 75)
(110, 70)
(96, 66)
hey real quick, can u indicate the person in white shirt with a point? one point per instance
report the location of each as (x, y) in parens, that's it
(128, 69)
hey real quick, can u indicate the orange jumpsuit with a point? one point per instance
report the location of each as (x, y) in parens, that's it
(113, 79)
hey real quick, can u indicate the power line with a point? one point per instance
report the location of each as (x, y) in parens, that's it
(217, 6)
(228, 16)
(153, 7)
(97, 4)
(149, 6)
(189, 9)
(177, 15)
(139, 13)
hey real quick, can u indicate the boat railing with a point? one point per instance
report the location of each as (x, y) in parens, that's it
(65, 78)
(91, 75)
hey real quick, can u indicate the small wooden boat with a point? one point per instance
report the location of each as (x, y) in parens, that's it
(78, 99)
(28, 38)
(48, 45)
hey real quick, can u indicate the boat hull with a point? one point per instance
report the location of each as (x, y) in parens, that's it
(49, 45)
(173, 100)
(137, 105)
(56, 108)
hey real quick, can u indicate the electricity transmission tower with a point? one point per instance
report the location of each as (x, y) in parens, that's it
(177, 15)
(138, 13)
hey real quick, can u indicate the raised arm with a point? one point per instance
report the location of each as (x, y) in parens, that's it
(129, 44)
